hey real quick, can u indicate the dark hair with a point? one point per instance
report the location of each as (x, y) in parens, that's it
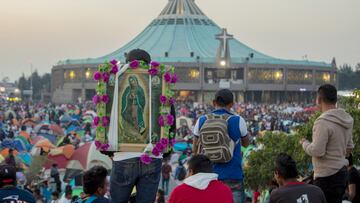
(161, 198)
(23, 128)
(138, 54)
(55, 194)
(328, 93)
(224, 97)
(94, 179)
(68, 192)
(285, 166)
(54, 165)
(350, 159)
(11, 150)
(200, 164)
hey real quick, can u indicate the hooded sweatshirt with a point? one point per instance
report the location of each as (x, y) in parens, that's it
(332, 136)
(202, 187)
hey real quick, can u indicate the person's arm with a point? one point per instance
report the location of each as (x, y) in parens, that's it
(320, 139)
(350, 146)
(196, 133)
(352, 191)
(244, 133)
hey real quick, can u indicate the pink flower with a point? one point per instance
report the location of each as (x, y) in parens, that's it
(96, 99)
(172, 142)
(105, 121)
(172, 101)
(170, 119)
(163, 99)
(161, 121)
(134, 64)
(105, 98)
(105, 147)
(106, 77)
(145, 159)
(114, 62)
(154, 64)
(114, 69)
(96, 121)
(156, 152)
(98, 144)
(153, 71)
(97, 76)
(167, 77)
(164, 141)
(160, 146)
(174, 78)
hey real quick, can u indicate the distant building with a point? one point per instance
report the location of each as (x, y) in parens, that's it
(206, 58)
(10, 92)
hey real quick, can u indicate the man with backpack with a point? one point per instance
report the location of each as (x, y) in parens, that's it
(219, 136)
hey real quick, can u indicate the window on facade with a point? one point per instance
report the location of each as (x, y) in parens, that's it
(265, 75)
(88, 74)
(188, 75)
(322, 77)
(299, 77)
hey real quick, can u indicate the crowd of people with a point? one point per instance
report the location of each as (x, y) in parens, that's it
(208, 171)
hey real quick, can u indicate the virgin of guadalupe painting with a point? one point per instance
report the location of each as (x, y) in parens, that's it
(133, 105)
(134, 110)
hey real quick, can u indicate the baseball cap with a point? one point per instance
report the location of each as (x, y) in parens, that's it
(224, 97)
(138, 54)
(7, 175)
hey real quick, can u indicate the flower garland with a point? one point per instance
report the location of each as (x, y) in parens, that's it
(106, 74)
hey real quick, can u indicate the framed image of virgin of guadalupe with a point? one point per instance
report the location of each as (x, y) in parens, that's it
(133, 105)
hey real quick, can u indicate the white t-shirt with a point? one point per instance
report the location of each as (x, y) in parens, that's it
(64, 200)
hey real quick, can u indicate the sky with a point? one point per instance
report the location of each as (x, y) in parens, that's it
(42, 32)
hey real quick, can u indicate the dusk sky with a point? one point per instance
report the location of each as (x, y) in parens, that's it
(42, 32)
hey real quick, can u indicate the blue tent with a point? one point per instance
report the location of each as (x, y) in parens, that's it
(50, 137)
(26, 158)
(19, 145)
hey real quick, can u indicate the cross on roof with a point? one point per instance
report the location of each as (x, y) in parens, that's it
(224, 37)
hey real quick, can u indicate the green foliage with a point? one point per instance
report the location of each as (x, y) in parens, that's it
(348, 77)
(39, 84)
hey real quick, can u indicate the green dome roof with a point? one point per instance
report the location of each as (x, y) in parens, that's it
(181, 33)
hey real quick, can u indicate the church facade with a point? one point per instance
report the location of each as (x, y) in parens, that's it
(206, 59)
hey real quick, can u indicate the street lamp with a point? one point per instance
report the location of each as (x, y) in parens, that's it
(17, 91)
(72, 74)
(87, 74)
(2, 89)
(223, 63)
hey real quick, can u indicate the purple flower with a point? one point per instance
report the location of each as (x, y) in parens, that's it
(105, 121)
(97, 76)
(163, 99)
(105, 98)
(106, 77)
(114, 62)
(114, 69)
(105, 147)
(172, 142)
(96, 99)
(164, 141)
(154, 64)
(160, 146)
(156, 152)
(172, 101)
(167, 77)
(98, 144)
(170, 119)
(134, 64)
(174, 78)
(96, 121)
(145, 159)
(153, 71)
(161, 121)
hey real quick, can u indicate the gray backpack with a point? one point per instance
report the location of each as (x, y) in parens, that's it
(215, 141)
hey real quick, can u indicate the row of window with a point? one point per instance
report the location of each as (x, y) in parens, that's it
(182, 21)
(78, 75)
(255, 75)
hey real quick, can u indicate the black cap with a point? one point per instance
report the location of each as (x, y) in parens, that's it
(138, 54)
(224, 97)
(7, 175)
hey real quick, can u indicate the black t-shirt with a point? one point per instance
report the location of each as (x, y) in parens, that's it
(354, 178)
(298, 193)
(13, 194)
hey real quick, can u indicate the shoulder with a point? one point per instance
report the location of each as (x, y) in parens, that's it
(221, 186)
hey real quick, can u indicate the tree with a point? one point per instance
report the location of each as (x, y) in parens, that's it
(348, 78)
(5, 79)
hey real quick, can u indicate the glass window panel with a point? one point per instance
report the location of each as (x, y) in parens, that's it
(265, 76)
(299, 77)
